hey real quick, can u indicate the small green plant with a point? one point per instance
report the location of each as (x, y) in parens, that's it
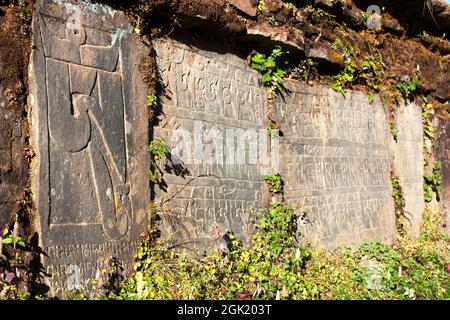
(74, 294)
(11, 292)
(14, 272)
(371, 73)
(399, 204)
(407, 88)
(371, 97)
(152, 101)
(273, 180)
(158, 149)
(278, 227)
(273, 68)
(347, 76)
(138, 26)
(432, 226)
(427, 192)
(394, 131)
(433, 182)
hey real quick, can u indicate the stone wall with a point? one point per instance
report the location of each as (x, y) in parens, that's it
(14, 149)
(90, 131)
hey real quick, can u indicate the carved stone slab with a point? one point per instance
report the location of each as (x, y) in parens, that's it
(90, 135)
(335, 162)
(213, 99)
(408, 162)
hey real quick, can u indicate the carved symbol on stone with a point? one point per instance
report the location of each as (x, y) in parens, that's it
(86, 123)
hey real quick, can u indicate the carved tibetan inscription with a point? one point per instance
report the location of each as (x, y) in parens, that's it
(214, 112)
(336, 165)
(91, 172)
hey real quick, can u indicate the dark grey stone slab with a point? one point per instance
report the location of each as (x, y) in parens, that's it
(90, 134)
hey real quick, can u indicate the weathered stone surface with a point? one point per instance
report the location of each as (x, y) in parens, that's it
(265, 32)
(14, 53)
(335, 154)
(209, 97)
(90, 175)
(443, 154)
(443, 90)
(392, 25)
(247, 6)
(408, 163)
(335, 164)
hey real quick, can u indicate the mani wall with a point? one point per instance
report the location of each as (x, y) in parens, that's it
(90, 131)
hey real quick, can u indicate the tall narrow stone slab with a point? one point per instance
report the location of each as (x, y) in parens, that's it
(443, 154)
(335, 160)
(90, 134)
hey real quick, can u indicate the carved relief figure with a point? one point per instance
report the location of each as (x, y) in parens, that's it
(88, 182)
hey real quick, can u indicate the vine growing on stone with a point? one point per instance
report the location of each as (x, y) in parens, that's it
(399, 204)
